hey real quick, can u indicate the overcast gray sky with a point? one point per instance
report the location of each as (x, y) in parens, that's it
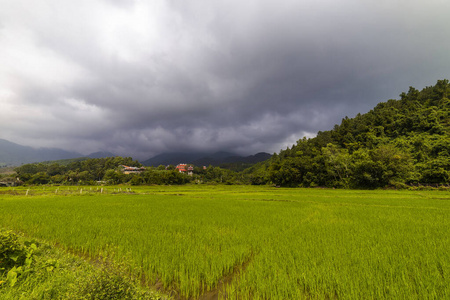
(141, 77)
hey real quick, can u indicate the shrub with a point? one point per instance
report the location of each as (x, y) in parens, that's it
(15, 257)
(12, 251)
(112, 281)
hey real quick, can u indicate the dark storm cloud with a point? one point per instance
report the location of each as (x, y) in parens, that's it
(138, 78)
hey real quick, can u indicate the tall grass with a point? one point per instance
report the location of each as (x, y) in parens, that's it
(271, 243)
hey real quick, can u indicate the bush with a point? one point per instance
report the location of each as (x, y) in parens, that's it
(15, 258)
(11, 250)
(111, 282)
(108, 284)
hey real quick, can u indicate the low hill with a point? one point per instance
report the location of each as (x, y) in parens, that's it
(68, 161)
(403, 141)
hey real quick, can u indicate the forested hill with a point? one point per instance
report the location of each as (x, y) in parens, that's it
(405, 141)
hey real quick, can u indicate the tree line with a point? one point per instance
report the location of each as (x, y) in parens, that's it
(399, 142)
(108, 171)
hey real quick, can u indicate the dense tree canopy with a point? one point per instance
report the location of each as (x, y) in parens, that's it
(405, 141)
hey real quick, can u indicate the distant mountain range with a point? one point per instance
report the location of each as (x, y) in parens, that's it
(205, 159)
(13, 154)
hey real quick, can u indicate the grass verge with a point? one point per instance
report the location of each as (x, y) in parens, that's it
(31, 269)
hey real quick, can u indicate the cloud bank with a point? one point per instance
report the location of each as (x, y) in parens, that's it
(143, 77)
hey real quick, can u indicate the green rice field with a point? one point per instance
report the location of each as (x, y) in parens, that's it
(250, 242)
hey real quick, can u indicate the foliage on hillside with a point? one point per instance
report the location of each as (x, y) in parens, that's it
(65, 162)
(405, 141)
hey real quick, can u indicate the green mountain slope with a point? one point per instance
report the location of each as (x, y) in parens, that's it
(405, 141)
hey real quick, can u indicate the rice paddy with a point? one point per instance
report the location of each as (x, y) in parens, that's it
(246, 242)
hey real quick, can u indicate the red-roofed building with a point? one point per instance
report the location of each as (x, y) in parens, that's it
(181, 168)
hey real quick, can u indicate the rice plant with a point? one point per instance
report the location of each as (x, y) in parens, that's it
(245, 242)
